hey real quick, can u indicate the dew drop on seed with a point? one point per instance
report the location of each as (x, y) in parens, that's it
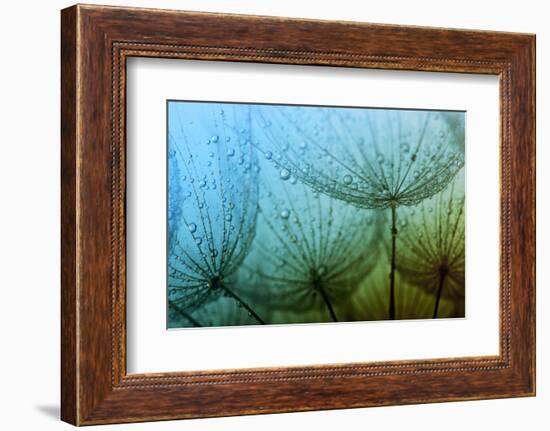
(285, 174)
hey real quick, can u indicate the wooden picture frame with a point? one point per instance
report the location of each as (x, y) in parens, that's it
(96, 41)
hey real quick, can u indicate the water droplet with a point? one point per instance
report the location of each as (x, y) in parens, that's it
(198, 241)
(215, 138)
(285, 174)
(380, 158)
(293, 180)
(192, 227)
(322, 270)
(348, 179)
(303, 145)
(228, 138)
(405, 147)
(268, 155)
(231, 152)
(228, 217)
(285, 214)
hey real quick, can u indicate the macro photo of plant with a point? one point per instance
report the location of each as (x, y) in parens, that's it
(284, 214)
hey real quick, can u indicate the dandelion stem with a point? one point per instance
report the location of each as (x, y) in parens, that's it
(243, 303)
(185, 315)
(393, 253)
(442, 275)
(328, 303)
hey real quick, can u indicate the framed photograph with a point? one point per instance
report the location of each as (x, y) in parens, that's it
(264, 215)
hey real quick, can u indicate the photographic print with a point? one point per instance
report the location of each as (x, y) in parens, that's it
(287, 214)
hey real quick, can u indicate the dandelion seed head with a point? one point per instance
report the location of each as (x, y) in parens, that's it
(319, 246)
(410, 155)
(433, 246)
(212, 201)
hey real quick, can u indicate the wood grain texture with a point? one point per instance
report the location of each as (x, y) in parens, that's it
(96, 41)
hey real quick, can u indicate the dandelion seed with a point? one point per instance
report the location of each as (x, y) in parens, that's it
(316, 263)
(435, 261)
(210, 231)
